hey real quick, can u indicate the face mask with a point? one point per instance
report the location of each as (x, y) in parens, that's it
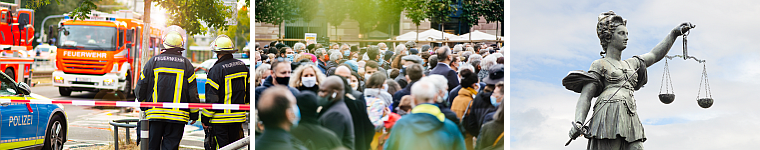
(381, 62)
(354, 85)
(406, 52)
(354, 59)
(494, 102)
(309, 81)
(324, 101)
(297, 112)
(282, 80)
(366, 77)
(290, 56)
(460, 63)
(446, 97)
(258, 63)
(346, 53)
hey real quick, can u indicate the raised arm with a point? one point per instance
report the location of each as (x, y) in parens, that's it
(659, 51)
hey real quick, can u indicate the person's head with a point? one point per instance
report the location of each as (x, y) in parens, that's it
(343, 71)
(454, 63)
(470, 49)
(334, 46)
(335, 56)
(425, 48)
(469, 79)
(370, 68)
(414, 72)
(443, 54)
(466, 55)
(433, 61)
(495, 74)
(332, 89)
(373, 53)
(278, 109)
(498, 94)
(401, 48)
(262, 72)
(413, 51)
(281, 71)
(474, 57)
(439, 83)
(424, 92)
(612, 32)
(394, 73)
(382, 46)
(457, 48)
(465, 66)
(410, 44)
(308, 104)
(307, 75)
(406, 103)
(319, 53)
(489, 61)
(376, 80)
(393, 86)
(299, 47)
(353, 80)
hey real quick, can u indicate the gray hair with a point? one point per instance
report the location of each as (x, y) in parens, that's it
(298, 46)
(318, 52)
(378, 45)
(334, 56)
(470, 49)
(465, 66)
(457, 48)
(424, 91)
(440, 83)
(489, 61)
(474, 57)
(399, 48)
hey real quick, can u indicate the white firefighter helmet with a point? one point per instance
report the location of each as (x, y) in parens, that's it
(222, 43)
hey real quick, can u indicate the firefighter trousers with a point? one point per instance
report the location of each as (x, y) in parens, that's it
(165, 135)
(226, 133)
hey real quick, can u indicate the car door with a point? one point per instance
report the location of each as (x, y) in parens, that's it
(18, 125)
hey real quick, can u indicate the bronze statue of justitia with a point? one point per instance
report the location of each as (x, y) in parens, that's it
(614, 124)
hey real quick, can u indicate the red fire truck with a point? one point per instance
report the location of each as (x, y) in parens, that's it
(100, 53)
(16, 34)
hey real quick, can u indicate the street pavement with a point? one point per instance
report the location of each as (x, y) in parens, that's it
(88, 126)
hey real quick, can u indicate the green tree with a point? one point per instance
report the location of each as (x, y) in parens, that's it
(493, 11)
(440, 11)
(240, 31)
(417, 11)
(186, 13)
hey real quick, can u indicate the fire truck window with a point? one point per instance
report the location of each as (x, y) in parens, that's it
(130, 35)
(121, 37)
(88, 38)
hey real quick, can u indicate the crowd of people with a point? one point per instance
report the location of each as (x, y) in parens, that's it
(341, 96)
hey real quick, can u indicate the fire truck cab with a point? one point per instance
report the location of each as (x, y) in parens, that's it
(98, 53)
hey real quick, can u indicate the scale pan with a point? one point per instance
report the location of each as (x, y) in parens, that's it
(705, 102)
(667, 98)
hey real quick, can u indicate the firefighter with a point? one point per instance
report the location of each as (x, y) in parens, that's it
(226, 83)
(168, 78)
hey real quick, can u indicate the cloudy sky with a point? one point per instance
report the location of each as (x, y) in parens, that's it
(550, 38)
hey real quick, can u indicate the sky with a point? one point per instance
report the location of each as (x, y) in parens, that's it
(549, 38)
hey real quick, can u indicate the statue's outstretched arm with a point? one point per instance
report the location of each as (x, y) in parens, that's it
(659, 51)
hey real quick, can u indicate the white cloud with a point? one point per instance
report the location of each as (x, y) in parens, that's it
(550, 38)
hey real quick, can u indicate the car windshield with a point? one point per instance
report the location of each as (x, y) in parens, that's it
(7, 86)
(87, 38)
(44, 49)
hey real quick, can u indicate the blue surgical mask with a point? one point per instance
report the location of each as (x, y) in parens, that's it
(446, 97)
(494, 102)
(297, 112)
(290, 56)
(346, 53)
(381, 62)
(354, 59)
(258, 63)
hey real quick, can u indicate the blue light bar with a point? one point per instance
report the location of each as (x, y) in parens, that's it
(66, 17)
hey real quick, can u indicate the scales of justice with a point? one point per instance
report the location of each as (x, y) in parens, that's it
(614, 123)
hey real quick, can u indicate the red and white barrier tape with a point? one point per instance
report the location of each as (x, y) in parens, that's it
(133, 104)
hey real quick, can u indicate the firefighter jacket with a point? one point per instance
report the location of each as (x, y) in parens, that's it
(168, 78)
(227, 82)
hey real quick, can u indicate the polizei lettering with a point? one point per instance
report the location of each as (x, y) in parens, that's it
(174, 59)
(84, 54)
(233, 64)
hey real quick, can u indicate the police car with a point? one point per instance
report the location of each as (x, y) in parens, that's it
(29, 126)
(202, 70)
